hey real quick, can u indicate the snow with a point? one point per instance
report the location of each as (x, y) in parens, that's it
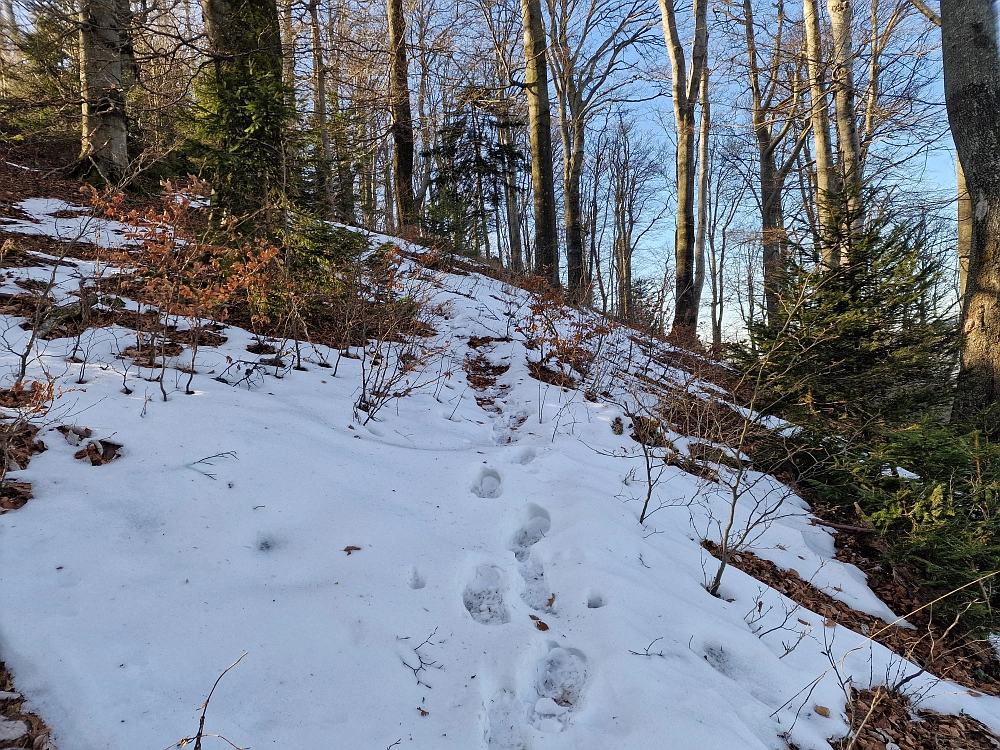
(83, 227)
(502, 594)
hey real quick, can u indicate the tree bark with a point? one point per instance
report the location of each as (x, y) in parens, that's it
(827, 188)
(510, 198)
(536, 79)
(324, 184)
(287, 51)
(964, 230)
(402, 120)
(972, 95)
(578, 279)
(704, 127)
(685, 96)
(848, 144)
(104, 126)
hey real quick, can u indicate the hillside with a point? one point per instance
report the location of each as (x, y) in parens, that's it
(460, 567)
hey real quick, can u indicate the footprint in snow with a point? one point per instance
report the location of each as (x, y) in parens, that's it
(536, 593)
(488, 483)
(536, 526)
(484, 596)
(559, 682)
(413, 578)
(504, 718)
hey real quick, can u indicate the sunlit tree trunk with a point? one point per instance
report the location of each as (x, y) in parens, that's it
(848, 145)
(685, 97)
(104, 128)
(402, 121)
(827, 187)
(972, 95)
(536, 79)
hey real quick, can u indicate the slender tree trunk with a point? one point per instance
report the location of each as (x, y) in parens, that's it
(579, 283)
(536, 78)
(510, 199)
(324, 183)
(287, 50)
(848, 144)
(104, 127)
(972, 94)
(827, 188)
(685, 96)
(388, 194)
(402, 120)
(704, 127)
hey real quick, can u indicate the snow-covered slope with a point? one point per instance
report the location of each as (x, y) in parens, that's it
(446, 576)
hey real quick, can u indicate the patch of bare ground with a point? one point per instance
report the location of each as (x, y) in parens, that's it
(939, 648)
(881, 719)
(12, 710)
(19, 443)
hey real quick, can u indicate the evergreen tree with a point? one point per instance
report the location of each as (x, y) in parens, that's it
(862, 345)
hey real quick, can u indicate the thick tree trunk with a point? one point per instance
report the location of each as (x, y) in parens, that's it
(102, 44)
(972, 95)
(402, 120)
(964, 231)
(8, 45)
(536, 79)
(685, 96)
(827, 187)
(245, 47)
(848, 144)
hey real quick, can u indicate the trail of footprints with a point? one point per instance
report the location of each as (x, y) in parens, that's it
(561, 674)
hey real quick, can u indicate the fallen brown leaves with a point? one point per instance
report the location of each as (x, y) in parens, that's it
(879, 717)
(11, 709)
(948, 655)
(99, 452)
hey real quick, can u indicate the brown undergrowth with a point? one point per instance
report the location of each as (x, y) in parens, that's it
(931, 645)
(880, 719)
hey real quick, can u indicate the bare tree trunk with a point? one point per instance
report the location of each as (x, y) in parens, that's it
(964, 231)
(288, 50)
(510, 199)
(104, 128)
(685, 96)
(536, 79)
(827, 188)
(972, 95)
(402, 120)
(388, 194)
(324, 182)
(579, 283)
(8, 44)
(848, 144)
(704, 127)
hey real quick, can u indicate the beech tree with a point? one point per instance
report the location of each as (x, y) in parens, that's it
(972, 93)
(590, 40)
(686, 87)
(103, 41)
(536, 84)
(402, 121)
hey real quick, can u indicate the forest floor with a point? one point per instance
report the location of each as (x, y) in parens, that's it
(463, 568)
